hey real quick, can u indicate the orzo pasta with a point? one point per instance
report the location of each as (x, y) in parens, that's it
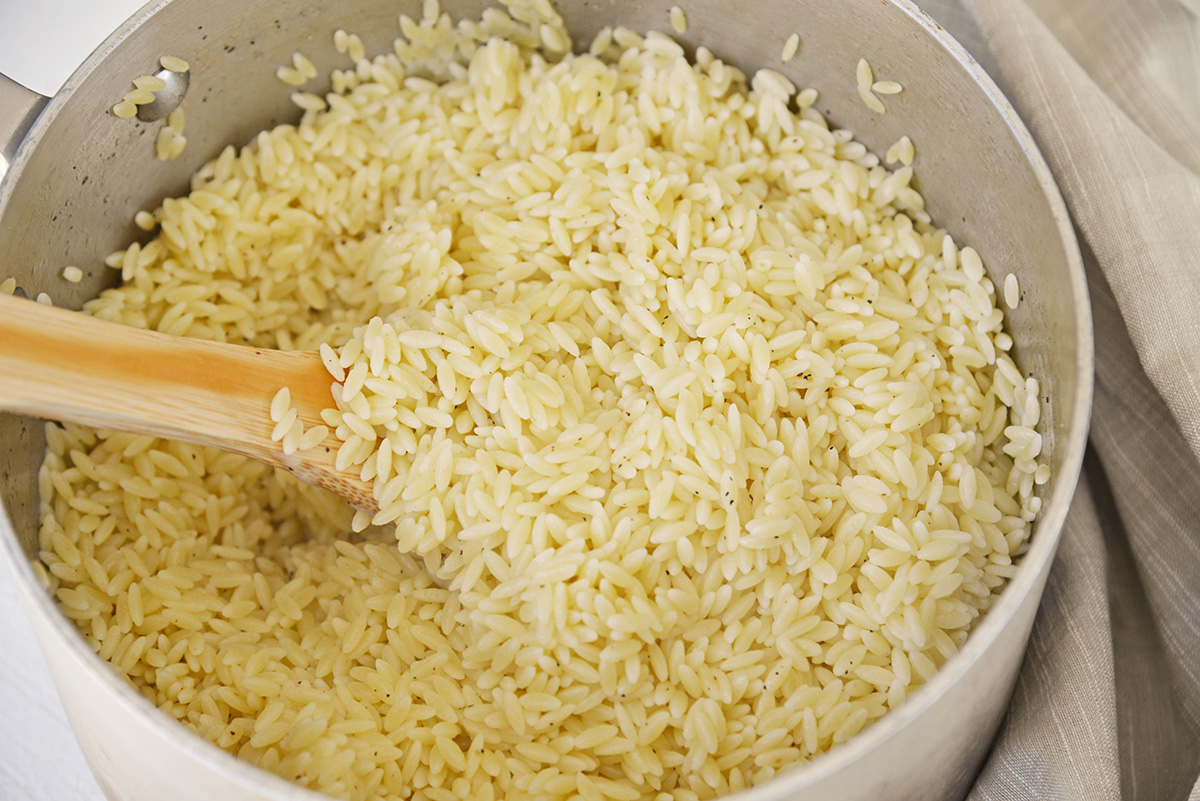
(710, 437)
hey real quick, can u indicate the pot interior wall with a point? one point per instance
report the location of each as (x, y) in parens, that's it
(71, 198)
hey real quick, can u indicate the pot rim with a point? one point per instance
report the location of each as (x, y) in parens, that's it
(1031, 568)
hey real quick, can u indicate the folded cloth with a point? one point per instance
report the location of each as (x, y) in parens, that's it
(1107, 705)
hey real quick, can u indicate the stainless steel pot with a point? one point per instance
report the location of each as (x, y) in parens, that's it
(80, 174)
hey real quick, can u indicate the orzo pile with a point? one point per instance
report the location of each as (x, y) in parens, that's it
(710, 436)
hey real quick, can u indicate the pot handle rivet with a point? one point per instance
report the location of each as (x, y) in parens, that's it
(166, 99)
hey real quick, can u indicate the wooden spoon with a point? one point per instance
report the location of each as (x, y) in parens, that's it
(66, 366)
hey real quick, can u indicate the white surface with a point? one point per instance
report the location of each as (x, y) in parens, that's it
(39, 760)
(43, 41)
(41, 44)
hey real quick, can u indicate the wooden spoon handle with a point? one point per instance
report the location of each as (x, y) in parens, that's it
(62, 365)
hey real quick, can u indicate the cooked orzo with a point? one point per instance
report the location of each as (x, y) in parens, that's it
(697, 445)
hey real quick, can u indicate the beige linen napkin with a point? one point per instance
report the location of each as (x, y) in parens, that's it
(1108, 702)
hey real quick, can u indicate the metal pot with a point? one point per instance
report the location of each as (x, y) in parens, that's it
(80, 174)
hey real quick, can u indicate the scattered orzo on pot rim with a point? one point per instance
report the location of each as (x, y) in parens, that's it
(710, 436)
